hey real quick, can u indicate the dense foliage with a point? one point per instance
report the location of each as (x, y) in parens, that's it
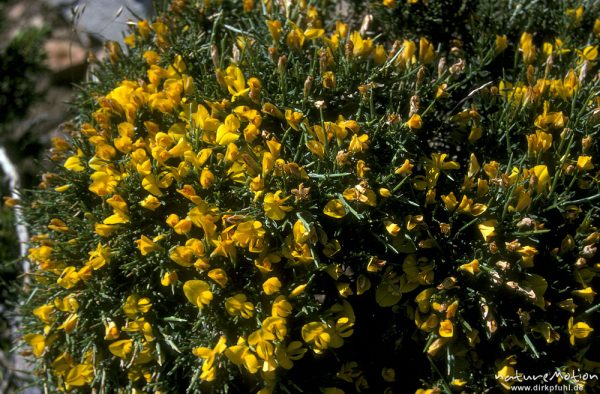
(260, 197)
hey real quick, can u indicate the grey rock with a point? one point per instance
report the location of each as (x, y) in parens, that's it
(103, 19)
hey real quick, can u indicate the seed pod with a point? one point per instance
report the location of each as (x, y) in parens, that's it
(421, 75)
(458, 67)
(323, 61)
(214, 55)
(281, 64)
(415, 103)
(441, 68)
(530, 75)
(114, 51)
(366, 23)
(308, 83)
(586, 143)
(349, 49)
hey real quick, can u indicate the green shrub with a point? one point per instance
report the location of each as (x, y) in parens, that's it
(260, 197)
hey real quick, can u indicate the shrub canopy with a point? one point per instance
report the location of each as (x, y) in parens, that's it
(261, 197)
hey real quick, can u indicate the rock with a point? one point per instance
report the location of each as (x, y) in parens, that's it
(104, 20)
(65, 59)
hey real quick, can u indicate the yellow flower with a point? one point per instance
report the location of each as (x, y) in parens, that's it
(281, 307)
(316, 334)
(111, 331)
(250, 235)
(150, 202)
(44, 313)
(587, 294)
(328, 80)
(240, 354)
(68, 278)
(228, 131)
(450, 201)
(584, 163)
(523, 200)
(293, 119)
(438, 162)
(274, 27)
(472, 267)
(361, 47)
(219, 276)
(589, 53)
(146, 245)
(66, 304)
(487, 229)
(426, 52)
(198, 292)
(208, 370)
(104, 230)
(103, 183)
(260, 340)
(475, 133)
(361, 194)
(73, 163)
(79, 375)
(543, 178)
(37, 343)
(236, 84)
(335, 209)
(182, 255)
(446, 329)
(392, 228)
(384, 192)
(527, 254)
(169, 278)
(298, 290)
(62, 364)
(70, 323)
(506, 375)
(121, 348)
(527, 47)
(405, 168)
(295, 38)
(579, 330)
(237, 305)
(312, 33)
(135, 305)
(415, 122)
(550, 120)
(359, 143)
(539, 142)
(271, 285)
(273, 206)
(501, 43)
(287, 354)
(99, 257)
(379, 54)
